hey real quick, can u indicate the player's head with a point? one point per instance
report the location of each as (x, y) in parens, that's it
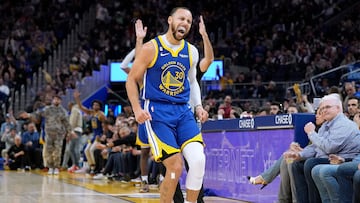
(180, 21)
(96, 105)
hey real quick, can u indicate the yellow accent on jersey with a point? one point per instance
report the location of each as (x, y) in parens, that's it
(139, 143)
(190, 55)
(197, 138)
(160, 147)
(156, 53)
(173, 53)
(41, 140)
(170, 80)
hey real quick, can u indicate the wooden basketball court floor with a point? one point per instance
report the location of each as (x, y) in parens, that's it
(38, 187)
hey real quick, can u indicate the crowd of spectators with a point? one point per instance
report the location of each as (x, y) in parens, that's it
(276, 40)
(31, 31)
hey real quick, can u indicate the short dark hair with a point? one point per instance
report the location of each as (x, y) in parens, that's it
(97, 101)
(57, 96)
(177, 8)
(354, 97)
(275, 103)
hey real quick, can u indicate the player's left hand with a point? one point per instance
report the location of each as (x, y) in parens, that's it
(201, 114)
(202, 28)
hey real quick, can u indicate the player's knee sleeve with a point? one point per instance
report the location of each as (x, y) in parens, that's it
(194, 155)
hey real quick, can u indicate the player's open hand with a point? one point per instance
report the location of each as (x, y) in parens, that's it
(140, 30)
(202, 28)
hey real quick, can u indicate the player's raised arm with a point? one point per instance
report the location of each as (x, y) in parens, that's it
(208, 50)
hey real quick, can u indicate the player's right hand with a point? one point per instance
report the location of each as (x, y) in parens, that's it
(141, 116)
(140, 30)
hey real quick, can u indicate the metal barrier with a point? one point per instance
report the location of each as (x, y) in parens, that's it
(341, 70)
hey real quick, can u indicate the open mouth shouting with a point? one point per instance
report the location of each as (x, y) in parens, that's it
(179, 33)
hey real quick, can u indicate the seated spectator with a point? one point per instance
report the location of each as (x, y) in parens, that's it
(9, 138)
(264, 111)
(30, 139)
(287, 192)
(129, 161)
(18, 159)
(347, 177)
(275, 108)
(292, 109)
(350, 90)
(101, 152)
(211, 111)
(226, 109)
(338, 135)
(352, 106)
(118, 165)
(356, 185)
(9, 123)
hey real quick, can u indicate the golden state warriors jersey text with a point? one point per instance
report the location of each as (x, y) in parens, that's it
(167, 77)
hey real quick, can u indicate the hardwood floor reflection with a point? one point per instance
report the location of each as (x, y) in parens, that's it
(36, 186)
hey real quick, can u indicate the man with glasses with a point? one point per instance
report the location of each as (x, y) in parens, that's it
(336, 136)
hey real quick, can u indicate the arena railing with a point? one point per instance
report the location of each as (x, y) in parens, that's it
(340, 70)
(235, 90)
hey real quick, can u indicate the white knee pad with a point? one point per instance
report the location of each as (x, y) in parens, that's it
(194, 155)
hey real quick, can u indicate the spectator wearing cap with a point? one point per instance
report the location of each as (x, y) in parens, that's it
(57, 126)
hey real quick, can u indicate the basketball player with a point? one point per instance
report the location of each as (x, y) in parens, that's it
(166, 67)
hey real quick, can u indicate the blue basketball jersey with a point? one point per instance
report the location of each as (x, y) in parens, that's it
(166, 78)
(96, 126)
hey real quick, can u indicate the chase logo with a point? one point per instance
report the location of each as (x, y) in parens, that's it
(285, 119)
(172, 78)
(246, 123)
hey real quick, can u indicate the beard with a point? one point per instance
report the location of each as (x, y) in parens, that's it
(174, 31)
